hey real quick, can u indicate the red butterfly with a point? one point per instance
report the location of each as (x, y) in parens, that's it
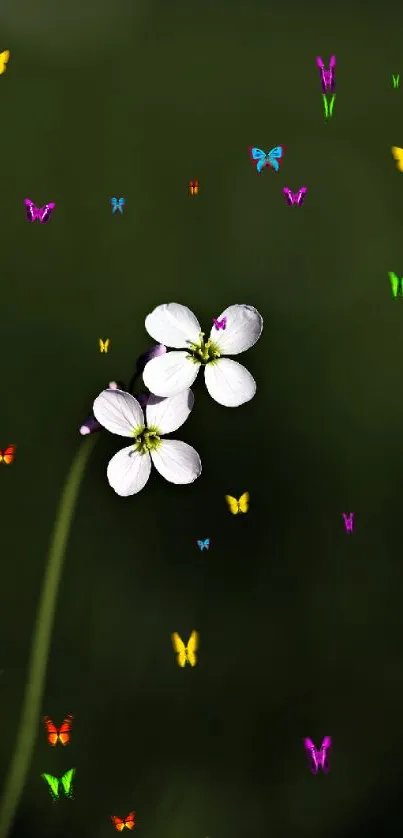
(62, 734)
(7, 456)
(129, 822)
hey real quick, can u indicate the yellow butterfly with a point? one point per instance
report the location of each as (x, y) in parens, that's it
(398, 155)
(186, 654)
(104, 345)
(241, 505)
(4, 56)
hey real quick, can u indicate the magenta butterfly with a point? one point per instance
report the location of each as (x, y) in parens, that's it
(220, 324)
(34, 213)
(297, 198)
(318, 758)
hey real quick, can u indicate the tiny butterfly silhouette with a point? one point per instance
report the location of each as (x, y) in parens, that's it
(118, 204)
(204, 545)
(220, 324)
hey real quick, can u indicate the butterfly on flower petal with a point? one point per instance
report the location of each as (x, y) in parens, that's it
(297, 198)
(7, 456)
(128, 822)
(118, 204)
(220, 324)
(204, 545)
(270, 159)
(41, 214)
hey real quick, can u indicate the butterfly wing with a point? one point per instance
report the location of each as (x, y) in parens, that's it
(4, 59)
(179, 648)
(107, 344)
(244, 502)
(101, 345)
(300, 197)
(324, 752)
(394, 281)
(207, 543)
(7, 456)
(30, 210)
(312, 755)
(52, 731)
(274, 155)
(398, 155)
(53, 784)
(233, 504)
(200, 544)
(130, 820)
(122, 202)
(64, 732)
(259, 157)
(45, 212)
(191, 648)
(67, 782)
(118, 823)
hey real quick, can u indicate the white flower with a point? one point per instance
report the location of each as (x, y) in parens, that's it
(128, 471)
(228, 382)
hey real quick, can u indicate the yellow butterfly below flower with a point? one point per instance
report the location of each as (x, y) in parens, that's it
(4, 57)
(398, 155)
(186, 654)
(104, 344)
(241, 505)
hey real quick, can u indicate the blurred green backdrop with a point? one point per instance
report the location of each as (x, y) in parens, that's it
(299, 622)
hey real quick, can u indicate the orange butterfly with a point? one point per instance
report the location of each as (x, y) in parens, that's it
(129, 822)
(7, 456)
(62, 734)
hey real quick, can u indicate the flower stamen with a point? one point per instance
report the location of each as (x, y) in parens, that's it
(203, 352)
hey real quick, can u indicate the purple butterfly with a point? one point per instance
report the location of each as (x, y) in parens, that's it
(34, 213)
(220, 324)
(297, 198)
(318, 758)
(327, 77)
(348, 521)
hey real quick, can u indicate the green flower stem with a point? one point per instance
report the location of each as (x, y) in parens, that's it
(31, 706)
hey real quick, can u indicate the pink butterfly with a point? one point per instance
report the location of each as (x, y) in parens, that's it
(318, 758)
(220, 324)
(295, 197)
(34, 213)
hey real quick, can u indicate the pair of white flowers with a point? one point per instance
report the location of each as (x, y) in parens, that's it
(169, 377)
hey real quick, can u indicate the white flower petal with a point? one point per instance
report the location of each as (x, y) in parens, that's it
(119, 412)
(168, 415)
(229, 383)
(173, 325)
(170, 374)
(128, 471)
(244, 327)
(177, 461)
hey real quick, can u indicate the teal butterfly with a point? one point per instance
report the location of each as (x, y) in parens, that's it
(65, 782)
(118, 204)
(204, 545)
(270, 159)
(397, 284)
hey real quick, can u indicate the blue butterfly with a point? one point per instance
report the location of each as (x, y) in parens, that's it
(269, 159)
(118, 204)
(204, 544)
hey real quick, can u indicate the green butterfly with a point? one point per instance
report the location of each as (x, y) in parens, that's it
(397, 284)
(396, 81)
(328, 106)
(65, 782)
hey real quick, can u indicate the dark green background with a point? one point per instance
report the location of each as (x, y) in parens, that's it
(300, 623)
